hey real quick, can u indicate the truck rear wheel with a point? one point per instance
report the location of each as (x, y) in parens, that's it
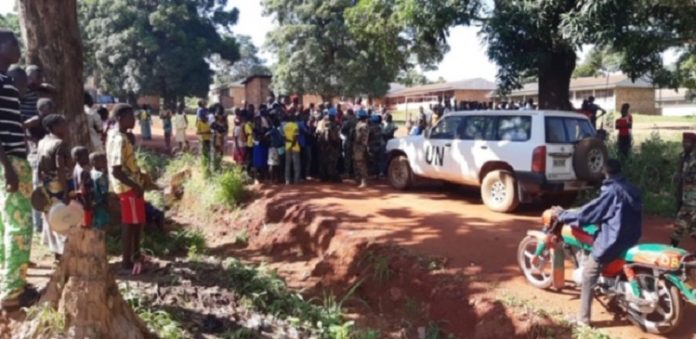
(499, 191)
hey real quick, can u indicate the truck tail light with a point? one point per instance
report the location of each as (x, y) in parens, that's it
(539, 160)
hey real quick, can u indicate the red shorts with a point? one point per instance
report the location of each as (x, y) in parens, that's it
(132, 208)
(87, 221)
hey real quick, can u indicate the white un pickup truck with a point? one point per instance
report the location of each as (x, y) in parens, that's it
(512, 156)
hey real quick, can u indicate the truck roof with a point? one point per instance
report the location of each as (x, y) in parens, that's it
(552, 113)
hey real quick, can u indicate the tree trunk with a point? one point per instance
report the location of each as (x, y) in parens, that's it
(52, 37)
(554, 80)
(84, 291)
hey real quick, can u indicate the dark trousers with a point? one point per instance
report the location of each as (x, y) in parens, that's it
(590, 274)
(624, 143)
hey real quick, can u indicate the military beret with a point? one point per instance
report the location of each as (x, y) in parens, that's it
(689, 136)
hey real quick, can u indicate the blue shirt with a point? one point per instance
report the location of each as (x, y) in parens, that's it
(618, 212)
(304, 131)
(202, 113)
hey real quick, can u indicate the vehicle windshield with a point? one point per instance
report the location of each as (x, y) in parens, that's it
(561, 130)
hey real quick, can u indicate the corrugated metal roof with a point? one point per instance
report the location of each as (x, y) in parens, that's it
(668, 94)
(468, 84)
(589, 83)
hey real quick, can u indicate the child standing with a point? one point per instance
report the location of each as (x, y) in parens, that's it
(54, 165)
(125, 180)
(203, 132)
(83, 182)
(219, 128)
(276, 150)
(166, 118)
(238, 138)
(100, 190)
(145, 120)
(181, 124)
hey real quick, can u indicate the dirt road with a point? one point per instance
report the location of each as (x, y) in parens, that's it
(449, 223)
(455, 225)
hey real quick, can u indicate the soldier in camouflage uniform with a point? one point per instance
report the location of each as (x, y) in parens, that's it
(360, 148)
(330, 147)
(686, 191)
(348, 132)
(375, 144)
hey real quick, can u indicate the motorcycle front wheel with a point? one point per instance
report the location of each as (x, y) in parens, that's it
(669, 308)
(539, 275)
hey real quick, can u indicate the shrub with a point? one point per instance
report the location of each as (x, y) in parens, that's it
(230, 186)
(650, 167)
(151, 163)
(179, 241)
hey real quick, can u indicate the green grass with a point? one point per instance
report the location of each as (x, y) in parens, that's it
(563, 328)
(656, 119)
(48, 321)
(191, 242)
(160, 322)
(264, 291)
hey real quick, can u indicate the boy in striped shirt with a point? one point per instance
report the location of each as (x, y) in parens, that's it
(15, 187)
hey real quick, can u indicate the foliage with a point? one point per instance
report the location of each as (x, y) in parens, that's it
(412, 77)
(150, 162)
(598, 62)
(249, 64)
(319, 52)
(230, 186)
(266, 292)
(178, 241)
(49, 321)
(155, 47)
(242, 238)
(640, 29)
(11, 21)
(160, 322)
(650, 167)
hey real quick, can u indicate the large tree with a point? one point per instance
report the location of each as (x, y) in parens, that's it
(52, 39)
(157, 47)
(539, 39)
(599, 61)
(249, 63)
(320, 53)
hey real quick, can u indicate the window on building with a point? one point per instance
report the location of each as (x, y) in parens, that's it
(582, 95)
(608, 93)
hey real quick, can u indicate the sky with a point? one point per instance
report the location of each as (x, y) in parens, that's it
(466, 58)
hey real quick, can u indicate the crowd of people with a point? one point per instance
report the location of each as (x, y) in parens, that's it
(284, 141)
(42, 178)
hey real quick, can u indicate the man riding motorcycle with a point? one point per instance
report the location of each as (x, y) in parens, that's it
(618, 214)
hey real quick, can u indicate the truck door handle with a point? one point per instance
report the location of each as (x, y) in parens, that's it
(448, 145)
(484, 147)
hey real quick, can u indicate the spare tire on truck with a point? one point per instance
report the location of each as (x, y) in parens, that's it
(589, 158)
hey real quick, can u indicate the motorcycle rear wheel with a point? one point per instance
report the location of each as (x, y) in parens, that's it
(540, 275)
(669, 311)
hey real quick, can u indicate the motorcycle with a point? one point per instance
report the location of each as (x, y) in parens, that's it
(648, 284)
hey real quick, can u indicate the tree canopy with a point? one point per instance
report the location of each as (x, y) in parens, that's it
(249, 63)
(157, 47)
(536, 39)
(598, 62)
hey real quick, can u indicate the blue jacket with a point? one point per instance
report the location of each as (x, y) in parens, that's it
(618, 212)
